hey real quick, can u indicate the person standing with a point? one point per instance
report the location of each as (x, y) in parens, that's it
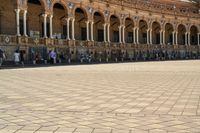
(16, 57)
(22, 57)
(52, 57)
(2, 57)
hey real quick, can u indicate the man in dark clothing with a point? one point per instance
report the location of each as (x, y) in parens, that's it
(1, 57)
(22, 57)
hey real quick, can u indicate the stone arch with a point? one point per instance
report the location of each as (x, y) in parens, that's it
(193, 35)
(35, 10)
(114, 28)
(181, 28)
(80, 22)
(169, 29)
(102, 15)
(62, 3)
(84, 11)
(143, 27)
(129, 25)
(99, 21)
(59, 21)
(156, 28)
(42, 2)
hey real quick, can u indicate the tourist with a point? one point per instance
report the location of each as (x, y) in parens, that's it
(52, 56)
(22, 57)
(2, 57)
(16, 57)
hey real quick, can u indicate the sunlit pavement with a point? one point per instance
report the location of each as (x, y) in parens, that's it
(148, 97)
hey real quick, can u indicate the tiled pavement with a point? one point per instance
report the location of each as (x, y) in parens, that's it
(151, 97)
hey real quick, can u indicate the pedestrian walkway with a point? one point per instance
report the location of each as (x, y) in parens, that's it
(143, 97)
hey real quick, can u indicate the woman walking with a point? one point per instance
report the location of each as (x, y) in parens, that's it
(16, 57)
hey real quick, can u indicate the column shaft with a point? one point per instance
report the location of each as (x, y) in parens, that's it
(45, 25)
(189, 38)
(120, 34)
(73, 36)
(134, 35)
(92, 31)
(104, 27)
(161, 33)
(123, 34)
(87, 25)
(138, 36)
(17, 21)
(173, 37)
(164, 37)
(151, 36)
(147, 36)
(68, 22)
(176, 38)
(186, 38)
(51, 27)
(25, 30)
(108, 28)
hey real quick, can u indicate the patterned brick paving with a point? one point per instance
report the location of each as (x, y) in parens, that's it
(150, 97)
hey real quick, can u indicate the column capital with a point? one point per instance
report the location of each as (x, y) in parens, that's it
(44, 15)
(25, 11)
(120, 26)
(50, 16)
(87, 22)
(67, 19)
(17, 10)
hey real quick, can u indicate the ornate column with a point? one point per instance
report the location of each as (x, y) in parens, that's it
(68, 22)
(189, 38)
(120, 34)
(73, 36)
(108, 32)
(134, 39)
(92, 31)
(176, 38)
(137, 29)
(104, 27)
(51, 27)
(87, 26)
(123, 34)
(186, 38)
(25, 29)
(45, 25)
(147, 36)
(161, 33)
(163, 37)
(173, 37)
(151, 42)
(17, 21)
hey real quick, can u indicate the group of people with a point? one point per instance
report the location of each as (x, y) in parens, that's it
(19, 57)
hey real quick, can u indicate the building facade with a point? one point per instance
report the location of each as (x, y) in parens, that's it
(105, 29)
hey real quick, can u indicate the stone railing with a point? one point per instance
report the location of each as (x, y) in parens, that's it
(8, 39)
(14, 40)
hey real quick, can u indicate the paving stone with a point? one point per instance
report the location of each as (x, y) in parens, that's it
(108, 98)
